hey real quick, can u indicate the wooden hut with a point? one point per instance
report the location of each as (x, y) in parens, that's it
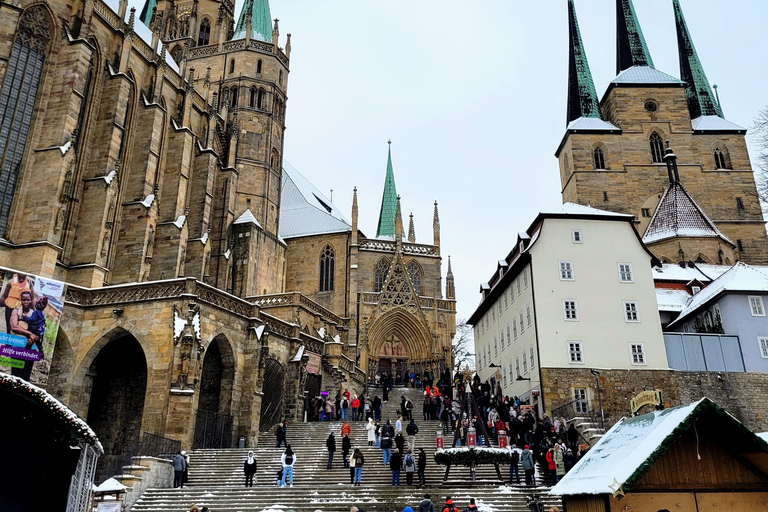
(692, 458)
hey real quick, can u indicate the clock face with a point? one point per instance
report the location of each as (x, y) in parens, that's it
(651, 106)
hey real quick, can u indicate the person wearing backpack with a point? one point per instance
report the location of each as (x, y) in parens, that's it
(514, 464)
(409, 463)
(408, 409)
(449, 506)
(471, 507)
(357, 461)
(344, 407)
(412, 429)
(288, 460)
(249, 468)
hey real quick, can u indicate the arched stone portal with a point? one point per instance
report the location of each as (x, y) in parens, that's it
(398, 343)
(274, 395)
(217, 377)
(118, 377)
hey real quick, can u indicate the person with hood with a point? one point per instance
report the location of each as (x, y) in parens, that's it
(330, 443)
(249, 468)
(551, 461)
(386, 442)
(385, 393)
(409, 464)
(426, 504)
(449, 506)
(371, 428)
(412, 429)
(185, 476)
(421, 467)
(280, 435)
(402, 404)
(357, 462)
(288, 460)
(514, 464)
(528, 465)
(346, 445)
(557, 455)
(395, 463)
(569, 460)
(179, 464)
(471, 507)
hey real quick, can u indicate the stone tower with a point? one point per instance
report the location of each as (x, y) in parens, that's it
(612, 156)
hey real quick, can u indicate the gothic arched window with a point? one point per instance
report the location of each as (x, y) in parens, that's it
(275, 161)
(23, 72)
(598, 158)
(657, 148)
(233, 97)
(232, 66)
(326, 269)
(252, 101)
(414, 271)
(204, 35)
(258, 67)
(722, 159)
(260, 99)
(382, 267)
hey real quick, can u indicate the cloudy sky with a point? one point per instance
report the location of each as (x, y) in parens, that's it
(473, 96)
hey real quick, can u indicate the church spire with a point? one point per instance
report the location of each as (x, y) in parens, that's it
(398, 223)
(255, 12)
(411, 231)
(701, 101)
(388, 201)
(582, 96)
(436, 227)
(450, 287)
(631, 49)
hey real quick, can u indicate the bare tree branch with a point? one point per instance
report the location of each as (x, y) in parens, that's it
(463, 346)
(760, 138)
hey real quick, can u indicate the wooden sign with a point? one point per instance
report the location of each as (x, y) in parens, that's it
(651, 397)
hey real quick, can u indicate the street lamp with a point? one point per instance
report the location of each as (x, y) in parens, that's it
(599, 400)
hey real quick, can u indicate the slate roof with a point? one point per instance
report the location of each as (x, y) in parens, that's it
(582, 96)
(304, 210)
(678, 215)
(639, 75)
(701, 271)
(715, 124)
(629, 449)
(631, 49)
(386, 227)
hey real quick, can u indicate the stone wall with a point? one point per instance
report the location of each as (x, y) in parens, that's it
(158, 475)
(745, 395)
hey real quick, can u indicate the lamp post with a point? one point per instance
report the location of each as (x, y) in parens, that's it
(599, 400)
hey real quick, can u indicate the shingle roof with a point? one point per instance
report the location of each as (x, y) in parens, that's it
(304, 210)
(386, 227)
(582, 96)
(631, 49)
(678, 215)
(644, 75)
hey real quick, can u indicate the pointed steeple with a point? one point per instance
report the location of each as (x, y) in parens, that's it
(388, 201)
(354, 216)
(450, 287)
(257, 12)
(145, 16)
(701, 101)
(398, 223)
(582, 96)
(631, 49)
(411, 231)
(436, 227)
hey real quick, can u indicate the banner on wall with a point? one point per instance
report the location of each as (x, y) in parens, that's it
(29, 323)
(314, 363)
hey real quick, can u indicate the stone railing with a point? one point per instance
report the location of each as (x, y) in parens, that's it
(107, 14)
(295, 299)
(203, 51)
(283, 58)
(234, 45)
(346, 364)
(408, 248)
(143, 48)
(378, 245)
(426, 250)
(261, 46)
(277, 326)
(369, 297)
(424, 302)
(312, 344)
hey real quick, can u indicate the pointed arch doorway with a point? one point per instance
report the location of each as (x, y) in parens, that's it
(214, 421)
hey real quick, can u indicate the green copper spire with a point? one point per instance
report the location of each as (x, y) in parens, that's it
(261, 21)
(700, 98)
(146, 12)
(388, 201)
(582, 96)
(631, 49)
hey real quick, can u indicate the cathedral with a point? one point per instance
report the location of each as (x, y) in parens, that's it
(659, 148)
(211, 289)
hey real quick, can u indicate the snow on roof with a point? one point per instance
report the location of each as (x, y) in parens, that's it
(644, 75)
(111, 485)
(714, 123)
(763, 436)
(633, 445)
(671, 300)
(702, 271)
(247, 218)
(739, 278)
(304, 210)
(591, 124)
(578, 209)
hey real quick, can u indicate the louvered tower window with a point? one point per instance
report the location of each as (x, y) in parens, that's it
(657, 148)
(23, 72)
(381, 273)
(721, 159)
(204, 36)
(326, 269)
(415, 274)
(599, 158)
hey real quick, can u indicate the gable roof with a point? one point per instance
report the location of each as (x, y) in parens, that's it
(304, 210)
(715, 124)
(739, 278)
(633, 445)
(677, 216)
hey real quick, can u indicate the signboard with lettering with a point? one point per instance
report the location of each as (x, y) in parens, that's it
(650, 397)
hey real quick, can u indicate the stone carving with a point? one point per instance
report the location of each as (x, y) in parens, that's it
(188, 344)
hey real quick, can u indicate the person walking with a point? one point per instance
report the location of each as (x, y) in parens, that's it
(471, 507)
(249, 468)
(400, 442)
(358, 460)
(288, 460)
(344, 407)
(179, 464)
(371, 428)
(409, 464)
(386, 442)
(376, 407)
(395, 463)
(551, 461)
(330, 443)
(346, 428)
(399, 424)
(426, 504)
(527, 460)
(346, 445)
(280, 435)
(422, 467)
(385, 393)
(557, 455)
(412, 430)
(185, 475)
(514, 464)
(355, 406)
(449, 506)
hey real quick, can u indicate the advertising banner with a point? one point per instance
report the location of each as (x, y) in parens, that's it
(29, 323)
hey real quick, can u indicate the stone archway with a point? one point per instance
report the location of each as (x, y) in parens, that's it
(62, 365)
(274, 395)
(217, 377)
(398, 343)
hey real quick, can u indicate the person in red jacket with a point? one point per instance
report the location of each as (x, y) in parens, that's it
(346, 429)
(355, 407)
(551, 461)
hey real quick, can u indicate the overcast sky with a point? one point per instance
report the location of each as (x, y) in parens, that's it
(473, 96)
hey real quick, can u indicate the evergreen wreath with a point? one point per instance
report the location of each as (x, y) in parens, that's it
(465, 456)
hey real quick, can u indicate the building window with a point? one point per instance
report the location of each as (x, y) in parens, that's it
(695, 289)
(522, 326)
(637, 352)
(493, 315)
(570, 310)
(525, 278)
(509, 338)
(231, 66)
(501, 339)
(511, 295)
(204, 35)
(533, 361)
(482, 326)
(415, 274)
(258, 67)
(528, 315)
(326, 269)
(510, 371)
(625, 272)
(518, 288)
(630, 311)
(576, 236)
(566, 270)
(380, 274)
(657, 148)
(517, 367)
(580, 397)
(514, 328)
(485, 359)
(500, 312)
(756, 306)
(233, 95)
(599, 158)
(506, 301)
(605, 196)
(525, 362)
(739, 245)
(646, 212)
(740, 205)
(487, 322)
(252, 99)
(23, 72)
(495, 346)
(722, 160)
(763, 347)
(575, 355)
(504, 377)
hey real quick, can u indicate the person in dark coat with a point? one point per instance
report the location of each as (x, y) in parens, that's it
(346, 445)
(280, 435)
(376, 406)
(422, 467)
(400, 442)
(179, 464)
(514, 466)
(249, 468)
(528, 466)
(385, 393)
(330, 443)
(572, 435)
(386, 442)
(395, 463)
(426, 504)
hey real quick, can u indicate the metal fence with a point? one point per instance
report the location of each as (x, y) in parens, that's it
(149, 445)
(213, 430)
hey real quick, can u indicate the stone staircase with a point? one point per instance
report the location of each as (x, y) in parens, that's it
(216, 476)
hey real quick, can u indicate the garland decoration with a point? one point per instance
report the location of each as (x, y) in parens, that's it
(60, 411)
(465, 456)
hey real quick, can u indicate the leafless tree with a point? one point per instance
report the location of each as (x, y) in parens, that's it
(463, 346)
(760, 137)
